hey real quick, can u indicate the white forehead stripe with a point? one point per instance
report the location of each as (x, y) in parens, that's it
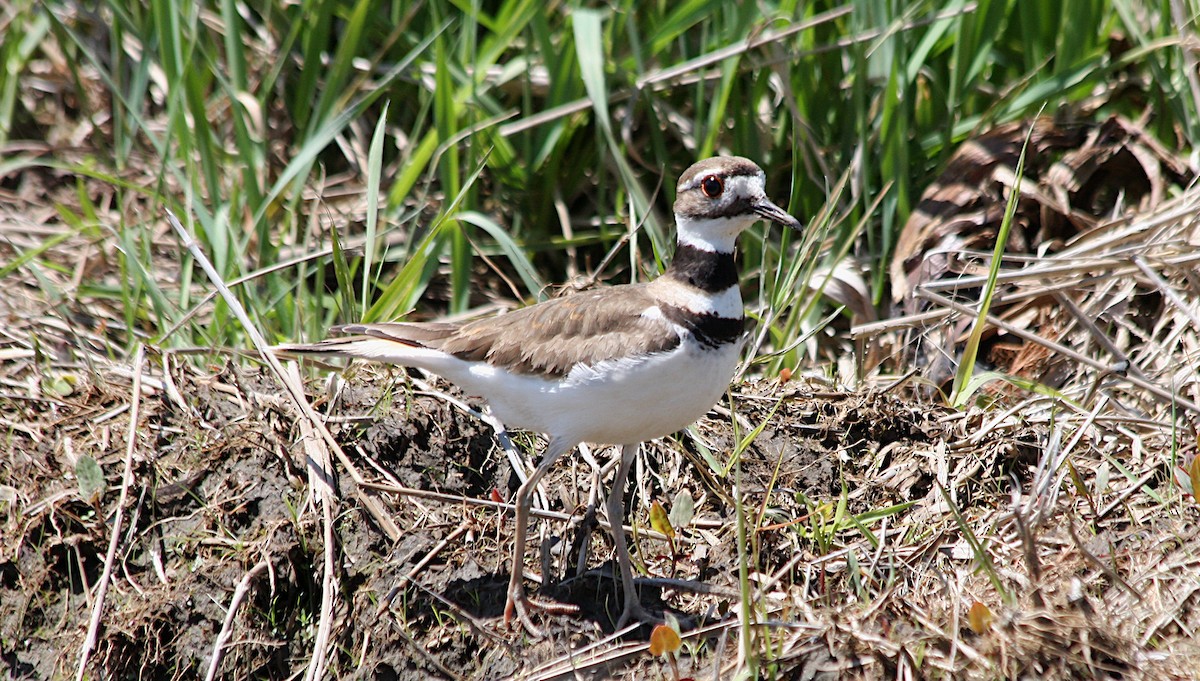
(738, 183)
(746, 185)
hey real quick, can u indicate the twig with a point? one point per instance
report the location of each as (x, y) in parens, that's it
(1097, 563)
(608, 652)
(1166, 289)
(325, 489)
(499, 505)
(89, 642)
(1128, 492)
(1112, 268)
(386, 601)
(239, 595)
(1161, 393)
(695, 587)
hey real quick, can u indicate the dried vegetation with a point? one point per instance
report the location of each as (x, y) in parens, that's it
(1047, 533)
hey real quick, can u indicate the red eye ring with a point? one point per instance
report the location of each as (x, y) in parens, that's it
(712, 186)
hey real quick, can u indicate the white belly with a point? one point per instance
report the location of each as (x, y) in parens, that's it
(618, 402)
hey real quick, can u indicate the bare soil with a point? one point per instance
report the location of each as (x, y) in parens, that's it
(219, 484)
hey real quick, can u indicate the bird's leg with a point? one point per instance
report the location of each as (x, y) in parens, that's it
(517, 602)
(632, 608)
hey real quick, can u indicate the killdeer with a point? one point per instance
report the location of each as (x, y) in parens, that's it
(616, 365)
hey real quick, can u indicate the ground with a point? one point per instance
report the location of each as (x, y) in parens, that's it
(219, 484)
(168, 514)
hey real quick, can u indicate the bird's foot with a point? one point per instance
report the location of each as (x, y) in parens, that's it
(636, 613)
(519, 606)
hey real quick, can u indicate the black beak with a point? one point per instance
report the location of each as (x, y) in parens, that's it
(769, 211)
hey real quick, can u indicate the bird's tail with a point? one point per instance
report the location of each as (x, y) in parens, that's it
(397, 343)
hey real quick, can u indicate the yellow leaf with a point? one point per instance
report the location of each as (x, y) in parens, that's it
(979, 617)
(664, 640)
(660, 521)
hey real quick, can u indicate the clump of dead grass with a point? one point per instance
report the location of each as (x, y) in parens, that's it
(1084, 547)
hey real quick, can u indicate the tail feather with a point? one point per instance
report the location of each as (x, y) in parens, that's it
(428, 334)
(398, 343)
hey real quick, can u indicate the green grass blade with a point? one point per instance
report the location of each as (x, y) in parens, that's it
(374, 173)
(966, 367)
(534, 285)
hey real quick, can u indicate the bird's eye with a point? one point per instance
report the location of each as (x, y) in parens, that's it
(712, 186)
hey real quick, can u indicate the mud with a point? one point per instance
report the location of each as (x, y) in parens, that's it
(220, 485)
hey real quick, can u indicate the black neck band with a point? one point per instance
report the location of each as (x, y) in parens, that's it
(709, 271)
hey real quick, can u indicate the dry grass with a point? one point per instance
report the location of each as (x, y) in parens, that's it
(878, 516)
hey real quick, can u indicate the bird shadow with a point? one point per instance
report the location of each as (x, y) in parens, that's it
(593, 596)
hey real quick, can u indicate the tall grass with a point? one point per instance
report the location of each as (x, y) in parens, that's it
(444, 139)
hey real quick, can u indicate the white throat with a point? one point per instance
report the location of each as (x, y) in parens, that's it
(714, 235)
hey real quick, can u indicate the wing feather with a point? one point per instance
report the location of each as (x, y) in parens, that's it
(553, 337)
(547, 339)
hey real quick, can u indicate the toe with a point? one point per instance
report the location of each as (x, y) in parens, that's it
(634, 612)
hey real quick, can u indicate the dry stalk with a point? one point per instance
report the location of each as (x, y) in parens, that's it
(239, 595)
(135, 400)
(294, 387)
(1164, 395)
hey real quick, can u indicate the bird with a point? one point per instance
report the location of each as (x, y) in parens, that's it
(617, 365)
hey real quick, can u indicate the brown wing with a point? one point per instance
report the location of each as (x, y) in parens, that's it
(553, 337)
(547, 339)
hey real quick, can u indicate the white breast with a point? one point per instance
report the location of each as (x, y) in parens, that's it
(615, 402)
